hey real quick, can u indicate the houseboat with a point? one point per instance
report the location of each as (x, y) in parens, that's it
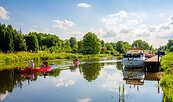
(134, 58)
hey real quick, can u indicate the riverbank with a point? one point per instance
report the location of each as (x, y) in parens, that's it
(41, 55)
(167, 79)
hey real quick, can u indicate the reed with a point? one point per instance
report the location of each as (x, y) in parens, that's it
(41, 55)
(167, 79)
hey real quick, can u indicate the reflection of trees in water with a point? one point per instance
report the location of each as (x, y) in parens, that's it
(54, 72)
(121, 95)
(119, 58)
(90, 70)
(8, 80)
(119, 65)
(11, 78)
(73, 68)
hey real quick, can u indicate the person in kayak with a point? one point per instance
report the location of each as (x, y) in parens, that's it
(45, 64)
(76, 59)
(31, 64)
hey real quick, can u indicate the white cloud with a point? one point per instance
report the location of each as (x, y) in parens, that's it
(112, 80)
(62, 24)
(162, 14)
(63, 81)
(76, 33)
(34, 26)
(69, 23)
(3, 96)
(129, 26)
(3, 13)
(84, 100)
(39, 31)
(83, 5)
(98, 32)
(33, 30)
(46, 30)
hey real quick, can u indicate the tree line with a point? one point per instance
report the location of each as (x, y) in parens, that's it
(168, 47)
(13, 40)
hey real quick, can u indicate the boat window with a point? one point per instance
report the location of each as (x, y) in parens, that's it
(134, 51)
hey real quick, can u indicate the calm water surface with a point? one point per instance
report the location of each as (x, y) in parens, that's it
(95, 80)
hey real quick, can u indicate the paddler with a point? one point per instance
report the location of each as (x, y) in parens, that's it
(31, 64)
(45, 64)
(76, 59)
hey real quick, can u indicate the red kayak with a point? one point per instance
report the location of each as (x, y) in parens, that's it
(76, 62)
(24, 70)
(27, 73)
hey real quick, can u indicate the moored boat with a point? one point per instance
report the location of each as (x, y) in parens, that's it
(134, 58)
(25, 70)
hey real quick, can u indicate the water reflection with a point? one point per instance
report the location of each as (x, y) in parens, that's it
(98, 80)
(136, 77)
(133, 76)
(90, 70)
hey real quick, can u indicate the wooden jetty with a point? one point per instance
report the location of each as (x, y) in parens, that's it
(152, 64)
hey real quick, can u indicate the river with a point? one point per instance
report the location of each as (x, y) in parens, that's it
(93, 80)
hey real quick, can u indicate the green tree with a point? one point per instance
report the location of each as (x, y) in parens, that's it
(120, 47)
(141, 44)
(32, 42)
(9, 38)
(169, 44)
(127, 45)
(103, 43)
(171, 49)
(109, 47)
(66, 46)
(19, 42)
(113, 45)
(91, 44)
(3, 39)
(73, 44)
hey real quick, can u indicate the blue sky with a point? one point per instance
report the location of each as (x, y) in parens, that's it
(110, 20)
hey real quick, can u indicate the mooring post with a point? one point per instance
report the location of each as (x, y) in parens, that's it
(145, 66)
(158, 54)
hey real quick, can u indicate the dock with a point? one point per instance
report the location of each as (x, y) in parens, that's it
(152, 64)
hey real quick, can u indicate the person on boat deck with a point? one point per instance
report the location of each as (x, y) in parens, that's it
(31, 64)
(45, 64)
(76, 59)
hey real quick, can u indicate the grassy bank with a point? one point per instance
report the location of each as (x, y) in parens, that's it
(23, 56)
(167, 80)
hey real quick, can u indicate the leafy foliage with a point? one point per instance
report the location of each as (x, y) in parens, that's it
(32, 42)
(120, 47)
(141, 44)
(11, 40)
(91, 44)
(73, 44)
(167, 80)
(167, 87)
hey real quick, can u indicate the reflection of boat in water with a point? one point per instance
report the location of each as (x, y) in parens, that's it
(25, 72)
(134, 58)
(134, 76)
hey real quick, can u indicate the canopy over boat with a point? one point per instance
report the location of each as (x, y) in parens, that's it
(134, 50)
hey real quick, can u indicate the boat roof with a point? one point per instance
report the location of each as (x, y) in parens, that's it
(134, 49)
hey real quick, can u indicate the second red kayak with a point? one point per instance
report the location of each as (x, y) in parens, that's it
(76, 62)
